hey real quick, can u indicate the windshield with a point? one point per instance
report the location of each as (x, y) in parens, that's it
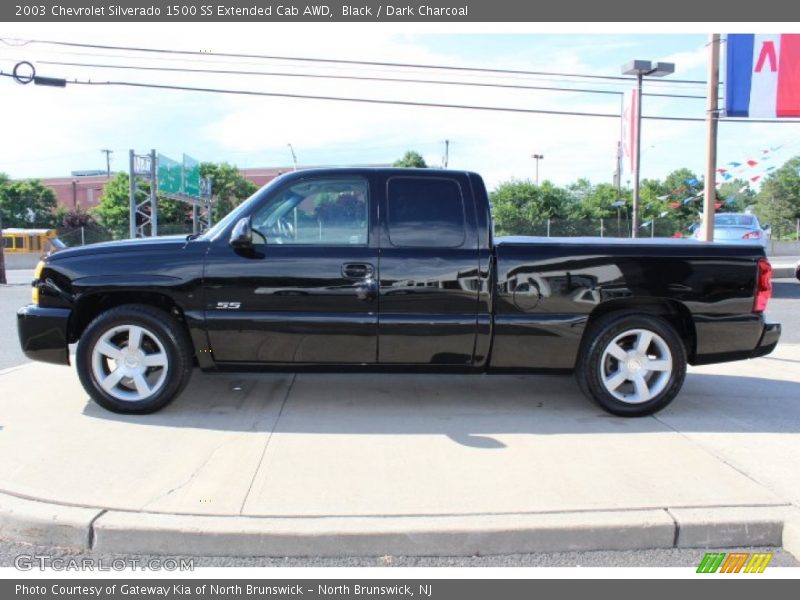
(240, 211)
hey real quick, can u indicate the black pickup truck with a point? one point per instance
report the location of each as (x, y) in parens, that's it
(394, 270)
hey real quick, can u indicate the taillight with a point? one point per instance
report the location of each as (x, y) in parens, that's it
(763, 286)
(753, 235)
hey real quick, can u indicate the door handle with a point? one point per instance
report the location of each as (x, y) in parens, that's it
(358, 271)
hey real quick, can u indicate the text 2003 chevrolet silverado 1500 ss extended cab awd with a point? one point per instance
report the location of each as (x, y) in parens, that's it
(391, 269)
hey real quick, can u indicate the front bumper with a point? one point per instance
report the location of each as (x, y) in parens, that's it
(43, 333)
(769, 339)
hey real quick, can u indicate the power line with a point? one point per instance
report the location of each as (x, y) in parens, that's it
(17, 43)
(356, 78)
(662, 84)
(392, 102)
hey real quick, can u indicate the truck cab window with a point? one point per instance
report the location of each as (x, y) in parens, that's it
(320, 212)
(418, 206)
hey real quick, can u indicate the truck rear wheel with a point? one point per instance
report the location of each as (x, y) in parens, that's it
(134, 359)
(632, 365)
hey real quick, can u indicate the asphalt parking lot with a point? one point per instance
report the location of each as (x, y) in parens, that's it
(509, 466)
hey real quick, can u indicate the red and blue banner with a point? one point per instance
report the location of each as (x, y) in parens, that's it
(763, 75)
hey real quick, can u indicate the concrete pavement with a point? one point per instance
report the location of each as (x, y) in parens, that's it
(331, 465)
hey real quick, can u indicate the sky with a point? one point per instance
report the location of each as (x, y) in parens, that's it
(53, 131)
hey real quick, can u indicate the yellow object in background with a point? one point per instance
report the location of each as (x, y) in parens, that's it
(36, 275)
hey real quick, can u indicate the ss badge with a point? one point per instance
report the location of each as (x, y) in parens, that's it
(229, 305)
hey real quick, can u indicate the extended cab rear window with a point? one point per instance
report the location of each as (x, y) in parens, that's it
(425, 212)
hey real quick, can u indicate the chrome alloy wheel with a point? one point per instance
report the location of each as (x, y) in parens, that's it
(129, 362)
(636, 366)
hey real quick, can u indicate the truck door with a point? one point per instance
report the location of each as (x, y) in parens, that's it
(307, 294)
(429, 278)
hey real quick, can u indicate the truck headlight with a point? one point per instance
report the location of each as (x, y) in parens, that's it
(37, 274)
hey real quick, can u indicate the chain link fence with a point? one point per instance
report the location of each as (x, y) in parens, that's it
(80, 236)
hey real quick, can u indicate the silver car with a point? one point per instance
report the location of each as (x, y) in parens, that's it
(733, 228)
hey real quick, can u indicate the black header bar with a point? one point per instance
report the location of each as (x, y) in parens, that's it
(464, 11)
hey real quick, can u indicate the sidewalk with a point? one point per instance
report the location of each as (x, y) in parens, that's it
(285, 465)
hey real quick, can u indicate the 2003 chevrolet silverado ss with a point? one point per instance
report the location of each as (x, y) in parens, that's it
(394, 270)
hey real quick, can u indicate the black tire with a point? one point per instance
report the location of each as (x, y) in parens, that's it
(598, 369)
(157, 330)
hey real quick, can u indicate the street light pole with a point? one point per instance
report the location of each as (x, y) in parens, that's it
(637, 158)
(712, 117)
(537, 158)
(640, 68)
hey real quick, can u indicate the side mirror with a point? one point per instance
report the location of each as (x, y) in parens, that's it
(242, 235)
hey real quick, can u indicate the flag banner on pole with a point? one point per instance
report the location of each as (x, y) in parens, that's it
(630, 106)
(763, 75)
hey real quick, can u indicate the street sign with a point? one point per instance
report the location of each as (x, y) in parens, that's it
(191, 176)
(170, 176)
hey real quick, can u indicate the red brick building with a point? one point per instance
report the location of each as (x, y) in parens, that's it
(77, 192)
(85, 191)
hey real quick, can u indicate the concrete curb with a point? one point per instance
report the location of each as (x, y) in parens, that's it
(45, 523)
(791, 534)
(729, 526)
(378, 536)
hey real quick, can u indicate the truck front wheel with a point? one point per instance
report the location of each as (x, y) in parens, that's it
(134, 359)
(632, 365)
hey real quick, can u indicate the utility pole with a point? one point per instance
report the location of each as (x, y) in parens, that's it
(712, 118)
(446, 153)
(153, 193)
(108, 154)
(132, 194)
(537, 158)
(294, 156)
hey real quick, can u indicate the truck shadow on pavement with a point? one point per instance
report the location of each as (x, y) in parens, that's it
(474, 411)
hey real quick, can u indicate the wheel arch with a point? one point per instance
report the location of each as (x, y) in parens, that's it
(90, 305)
(672, 311)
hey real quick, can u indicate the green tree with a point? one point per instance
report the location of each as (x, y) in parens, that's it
(682, 181)
(113, 210)
(523, 208)
(27, 203)
(776, 211)
(735, 196)
(411, 159)
(592, 201)
(228, 187)
(778, 202)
